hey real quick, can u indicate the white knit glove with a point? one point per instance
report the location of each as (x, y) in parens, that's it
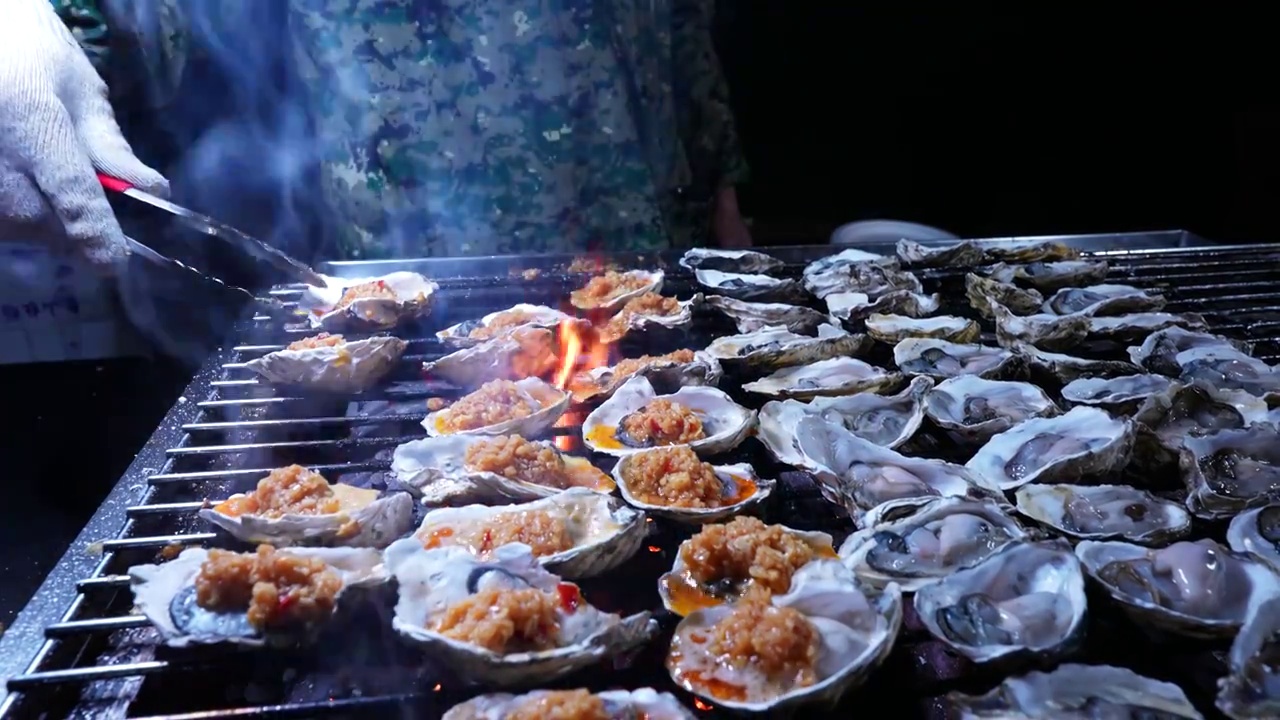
(56, 129)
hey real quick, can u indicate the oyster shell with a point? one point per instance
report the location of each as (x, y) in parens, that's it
(1167, 418)
(777, 347)
(741, 489)
(1249, 692)
(1103, 300)
(1029, 251)
(1082, 442)
(1257, 532)
(940, 359)
(1122, 395)
(892, 329)
(834, 376)
(413, 293)
(531, 315)
(1229, 471)
(533, 390)
(961, 254)
(629, 320)
(1159, 352)
(938, 537)
(435, 469)
(981, 292)
(351, 367)
(1132, 327)
(857, 627)
(1199, 589)
(643, 704)
(431, 581)
(750, 316)
(166, 595)
(1066, 368)
(1027, 598)
(605, 533)
(731, 261)
(745, 286)
(524, 352)
(873, 277)
(1105, 512)
(1229, 370)
(848, 258)
(853, 307)
(1077, 691)
(1049, 276)
(663, 370)
(974, 409)
(652, 283)
(725, 423)
(1053, 332)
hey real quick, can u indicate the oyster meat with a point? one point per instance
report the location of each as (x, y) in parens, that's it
(1257, 532)
(750, 316)
(706, 494)
(1050, 276)
(682, 368)
(1251, 689)
(641, 704)
(1167, 418)
(746, 286)
(893, 329)
(1105, 512)
(981, 292)
(1229, 471)
(495, 324)
(731, 261)
(527, 407)
(330, 363)
(974, 409)
(607, 293)
(1080, 692)
(1052, 332)
(872, 277)
(777, 347)
(1229, 370)
(834, 376)
(1103, 300)
(1159, 352)
(1066, 368)
(439, 589)
(376, 303)
(524, 352)
(854, 307)
(1083, 442)
(940, 359)
(1122, 395)
(961, 254)
(723, 424)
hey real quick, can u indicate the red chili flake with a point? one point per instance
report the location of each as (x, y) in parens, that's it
(570, 596)
(487, 544)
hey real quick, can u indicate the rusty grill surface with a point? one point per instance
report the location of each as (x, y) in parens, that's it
(77, 651)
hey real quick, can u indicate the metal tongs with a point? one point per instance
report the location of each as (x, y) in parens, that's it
(295, 269)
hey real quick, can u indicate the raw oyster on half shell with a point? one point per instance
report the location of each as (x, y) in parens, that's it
(1083, 442)
(1077, 691)
(1229, 370)
(641, 704)
(610, 291)
(1122, 395)
(724, 423)
(1105, 512)
(777, 347)
(1050, 276)
(1167, 418)
(523, 353)
(974, 409)
(892, 329)
(330, 363)
(1257, 532)
(751, 316)
(1136, 326)
(834, 376)
(1052, 332)
(1250, 690)
(852, 308)
(961, 254)
(537, 406)
(1159, 352)
(732, 261)
(728, 490)
(746, 286)
(873, 277)
(981, 292)
(940, 359)
(1066, 368)
(1103, 300)
(376, 303)
(1230, 471)
(495, 324)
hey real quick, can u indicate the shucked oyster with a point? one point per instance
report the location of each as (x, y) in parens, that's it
(981, 292)
(610, 291)
(743, 286)
(940, 536)
(848, 258)
(895, 328)
(1066, 368)
(940, 359)
(834, 376)
(1122, 395)
(776, 347)
(1105, 512)
(681, 368)
(576, 533)
(974, 409)
(1229, 370)
(641, 704)
(721, 424)
(329, 363)
(1231, 470)
(499, 407)
(1103, 300)
(524, 352)
(961, 254)
(462, 469)
(751, 316)
(495, 324)
(744, 657)
(1049, 276)
(1257, 532)
(873, 275)
(1181, 411)
(1159, 351)
(649, 312)
(556, 631)
(1053, 332)
(1250, 690)
(733, 261)
(1027, 598)
(367, 303)
(1135, 326)
(1083, 442)
(1080, 692)
(854, 307)
(708, 493)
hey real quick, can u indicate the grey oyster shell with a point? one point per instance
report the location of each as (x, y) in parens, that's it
(1050, 276)
(1229, 370)
(750, 316)
(644, 703)
(1083, 442)
(652, 284)
(872, 275)
(1135, 326)
(1077, 691)
(961, 254)
(1257, 532)
(351, 367)
(1105, 512)
(833, 376)
(414, 295)
(777, 347)
(1121, 395)
(941, 359)
(1159, 352)
(1103, 300)
(1248, 691)
(1052, 332)
(981, 292)
(733, 261)
(1166, 418)
(1066, 368)
(725, 424)
(737, 481)
(892, 329)
(1230, 471)
(473, 366)
(974, 409)
(1029, 251)
(852, 308)
(745, 286)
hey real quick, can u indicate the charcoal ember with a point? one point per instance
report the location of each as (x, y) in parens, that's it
(378, 418)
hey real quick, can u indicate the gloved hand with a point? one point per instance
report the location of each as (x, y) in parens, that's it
(56, 129)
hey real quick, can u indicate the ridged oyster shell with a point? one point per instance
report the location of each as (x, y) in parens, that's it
(159, 590)
(639, 704)
(975, 409)
(366, 520)
(1159, 352)
(642, 322)
(529, 348)
(1229, 369)
(435, 470)
(430, 581)
(1135, 326)
(351, 367)
(414, 295)
(725, 423)
(937, 537)
(1029, 251)
(604, 381)
(528, 426)
(1122, 395)
(961, 254)
(1257, 532)
(892, 329)
(848, 258)
(746, 286)
(752, 316)
(825, 378)
(740, 484)
(538, 316)
(1080, 443)
(1229, 471)
(1103, 300)
(981, 292)
(1248, 691)
(652, 284)
(775, 347)
(1052, 332)
(940, 359)
(1105, 512)
(605, 532)
(1167, 418)
(737, 261)
(852, 308)
(858, 271)
(857, 626)
(1027, 598)
(1049, 276)
(1066, 368)
(1077, 691)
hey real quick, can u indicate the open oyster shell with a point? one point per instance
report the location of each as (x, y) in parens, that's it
(640, 704)
(1230, 471)
(604, 531)
(746, 286)
(857, 626)
(848, 258)
(366, 520)
(1136, 326)
(974, 409)
(1121, 395)
(1198, 589)
(1027, 598)
(166, 595)
(600, 383)
(753, 316)
(1080, 443)
(981, 292)
(743, 491)
(1052, 332)
(725, 423)
(1167, 418)
(776, 347)
(524, 352)
(1077, 691)
(1159, 352)
(351, 367)
(1103, 300)
(528, 426)
(892, 329)
(874, 276)
(833, 376)
(534, 315)
(1049, 276)
(1257, 532)
(1066, 368)
(852, 308)
(1105, 512)
(940, 359)
(730, 261)
(431, 581)
(1249, 690)
(435, 469)
(1229, 370)
(413, 297)
(961, 254)
(645, 321)
(935, 538)
(652, 282)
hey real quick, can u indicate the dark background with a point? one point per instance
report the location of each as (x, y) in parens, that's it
(983, 119)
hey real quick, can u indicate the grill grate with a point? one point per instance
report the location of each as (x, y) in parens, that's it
(78, 652)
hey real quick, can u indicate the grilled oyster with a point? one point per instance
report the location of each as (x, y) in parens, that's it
(1249, 691)
(1159, 352)
(892, 329)
(1077, 691)
(1167, 418)
(1029, 251)
(750, 316)
(1105, 512)
(743, 286)
(1229, 471)
(523, 353)
(641, 315)
(644, 703)
(981, 292)
(731, 261)
(374, 303)
(569, 635)
(834, 376)
(870, 277)
(1121, 395)
(1027, 598)
(853, 626)
(1066, 368)
(436, 469)
(682, 368)
(578, 533)
(734, 490)
(940, 359)
(1134, 326)
(961, 254)
(777, 347)
(166, 594)
(474, 332)
(1049, 276)
(1081, 443)
(1198, 589)
(973, 409)
(1257, 532)
(938, 537)
(725, 423)
(609, 292)
(541, 405)
(329, 363)
(1053, 332)
(1103, 300)
(854, 307)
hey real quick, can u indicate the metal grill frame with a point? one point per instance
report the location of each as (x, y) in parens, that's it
(51, 614)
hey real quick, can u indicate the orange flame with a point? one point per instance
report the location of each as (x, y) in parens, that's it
(580, 350)
(570, 349)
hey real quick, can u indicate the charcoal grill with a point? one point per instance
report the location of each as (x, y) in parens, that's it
(76, 651)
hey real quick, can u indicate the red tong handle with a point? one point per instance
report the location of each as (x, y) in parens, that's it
(114, 184)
